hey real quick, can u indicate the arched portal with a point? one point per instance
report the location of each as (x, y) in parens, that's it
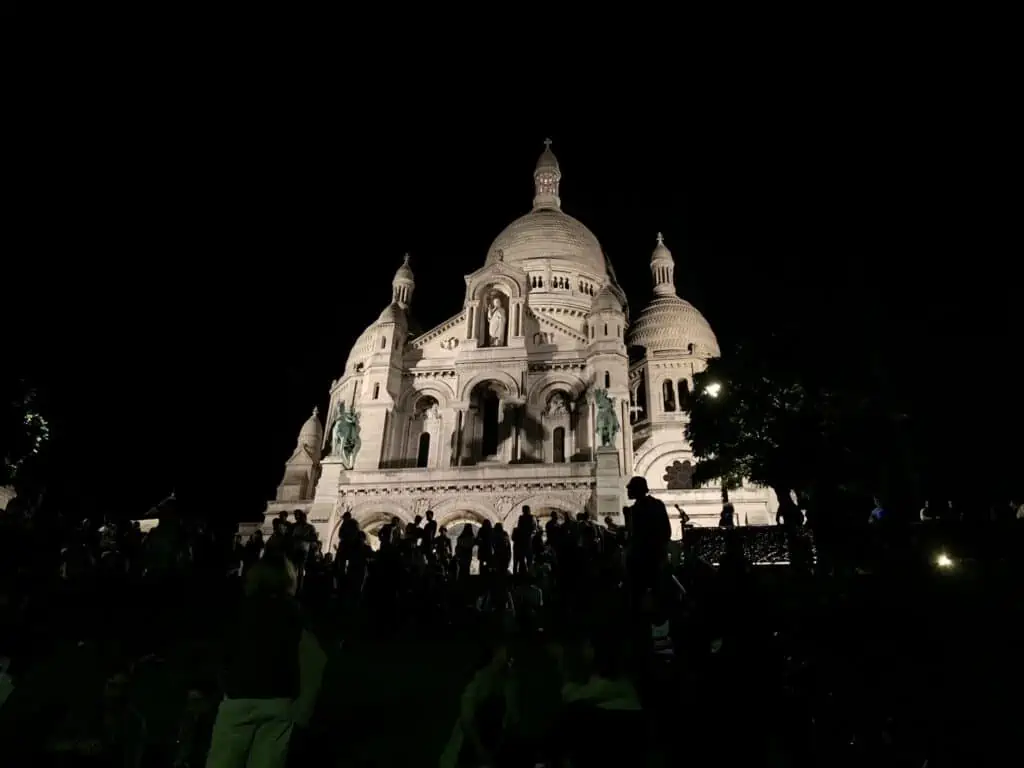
(487, 432)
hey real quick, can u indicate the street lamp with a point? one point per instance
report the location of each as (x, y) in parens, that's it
(713, 389)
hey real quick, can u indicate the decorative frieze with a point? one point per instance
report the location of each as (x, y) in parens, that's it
(438, 373)
(568, 365)
(456, 487)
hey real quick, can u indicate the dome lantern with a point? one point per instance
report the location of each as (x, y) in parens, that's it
(545, 180)
(403, 285)
(663, 268)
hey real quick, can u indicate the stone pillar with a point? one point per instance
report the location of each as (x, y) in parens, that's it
(322, 513)
(460, 429)
(570, 438)
(517, 419)
(627, 461)
(593, 428)
(611, 485)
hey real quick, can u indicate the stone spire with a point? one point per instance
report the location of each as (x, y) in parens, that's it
(545, 180)
(403, 285)
(663, 268)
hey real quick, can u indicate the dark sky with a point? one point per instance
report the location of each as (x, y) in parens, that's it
(192, 279)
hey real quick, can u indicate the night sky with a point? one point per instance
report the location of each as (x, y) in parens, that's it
(187, 288)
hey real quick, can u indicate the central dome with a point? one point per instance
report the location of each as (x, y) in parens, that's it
(548, 233)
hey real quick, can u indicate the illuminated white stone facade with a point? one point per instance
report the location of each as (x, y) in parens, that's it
(494, 408)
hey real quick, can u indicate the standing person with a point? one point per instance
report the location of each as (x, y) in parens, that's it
(464, 551)
(522, 541)
(272, 673)
(428, 535)
(649, 537)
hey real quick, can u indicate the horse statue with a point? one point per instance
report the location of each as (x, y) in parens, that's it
(607, 421)
(345, 440)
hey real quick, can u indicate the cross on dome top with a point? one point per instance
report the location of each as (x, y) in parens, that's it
(547, 143)
(661, 240)
(405, 258)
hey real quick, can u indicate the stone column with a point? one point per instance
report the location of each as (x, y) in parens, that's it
(471, 319)
(461, 419)
(627, 462)
(593, 428)
(517, 418)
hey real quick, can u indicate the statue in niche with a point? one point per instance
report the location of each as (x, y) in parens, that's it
(345, 440)
(432, 412)
(607, 421)
(557, 405)
(496, 321)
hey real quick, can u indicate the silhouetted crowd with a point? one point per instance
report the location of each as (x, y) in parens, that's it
(599, 643)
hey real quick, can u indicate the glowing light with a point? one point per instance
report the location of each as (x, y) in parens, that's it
(713, 389)
(943, 560)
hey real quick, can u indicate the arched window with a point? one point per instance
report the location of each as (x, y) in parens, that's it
(376, 391)
(684, 393)
(423, 454)
(668, 395)
(383, 342)
(607, 380)
(558, 445)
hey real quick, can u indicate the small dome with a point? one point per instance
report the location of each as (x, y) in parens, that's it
(393, 313)
(369, 340)
(405, 271)
(606, 301)
(362, 349)
(547, 159)
(670, 323)
(661, 251)
(312, 433)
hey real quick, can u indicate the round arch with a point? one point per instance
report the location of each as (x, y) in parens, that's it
(369, 514)
(551, 382)
(544, 502)
(512, 287)
(651, 458)
(435, 389)
(501, 377)
(460, 510)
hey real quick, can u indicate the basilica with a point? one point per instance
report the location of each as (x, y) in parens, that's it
(540, 390)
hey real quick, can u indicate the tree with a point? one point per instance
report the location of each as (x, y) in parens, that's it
(770, 415)
(23, 431)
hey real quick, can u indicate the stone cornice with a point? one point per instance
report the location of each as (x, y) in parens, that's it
(472, 486)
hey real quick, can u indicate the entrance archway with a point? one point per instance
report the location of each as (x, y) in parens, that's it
(454, 529)
(486, 430)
